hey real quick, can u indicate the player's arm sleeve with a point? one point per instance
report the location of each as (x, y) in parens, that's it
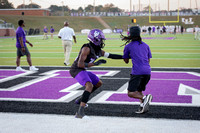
(112, 56)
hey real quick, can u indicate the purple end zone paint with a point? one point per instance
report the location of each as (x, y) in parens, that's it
(164, 88)
(7, 73)
(45, 89)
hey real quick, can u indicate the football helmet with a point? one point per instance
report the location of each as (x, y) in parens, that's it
(97, 37)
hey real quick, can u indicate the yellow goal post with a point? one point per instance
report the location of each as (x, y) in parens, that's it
(164, 22)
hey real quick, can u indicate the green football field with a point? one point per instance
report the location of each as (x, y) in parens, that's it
(183, 51)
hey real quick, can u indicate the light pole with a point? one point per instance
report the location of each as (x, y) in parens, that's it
(31, 3)
(168, 5)
(196, 4)
(94, 7)
(130, 5)
(24, 3)
(139, 5)
(62, 8)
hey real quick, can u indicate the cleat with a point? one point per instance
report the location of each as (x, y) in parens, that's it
(20, 69)
(66, 64)
(140, 110)
(77, 115)
(81, 117)
(146, 103)
(33, 68)
(80, 114)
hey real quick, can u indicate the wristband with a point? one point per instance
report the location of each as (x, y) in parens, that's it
(106, 54)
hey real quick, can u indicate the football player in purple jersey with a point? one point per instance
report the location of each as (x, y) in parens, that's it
(140, 54)
(22, 49)
(88, 54)
(52, 31)
(45, 30)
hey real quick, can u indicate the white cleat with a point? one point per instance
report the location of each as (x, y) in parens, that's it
(33, 68)
(20, 69)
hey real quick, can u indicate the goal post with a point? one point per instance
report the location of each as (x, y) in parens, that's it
(160, 21)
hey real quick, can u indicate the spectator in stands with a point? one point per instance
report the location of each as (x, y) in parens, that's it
(22, 48)
(52, 31)
(45, 30)
(66, 35)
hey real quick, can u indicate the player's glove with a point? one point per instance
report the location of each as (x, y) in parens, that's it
(99, 62)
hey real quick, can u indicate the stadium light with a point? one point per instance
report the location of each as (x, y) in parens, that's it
(168, 5)
(62, 8)
(94, 6)
(139, 5)
(130, 5)
(24, 3)
(196, 5)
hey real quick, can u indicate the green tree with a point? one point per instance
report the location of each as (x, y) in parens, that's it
(80, 10)
(33, 5)
(6, 5)
(111, 8)
(147, 8)
(89, 8)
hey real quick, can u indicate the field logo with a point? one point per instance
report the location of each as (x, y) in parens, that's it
(52, 86)
(167, 88)
(187, 21)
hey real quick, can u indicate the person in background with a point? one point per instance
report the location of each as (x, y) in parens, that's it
(175, 30)
(22, 48)
(66, 34)
(182, 29)
(45, 30)
(52, 31)
(158, 30)
(149, 30)
(153, 30)
(140, 54)
(197, 33)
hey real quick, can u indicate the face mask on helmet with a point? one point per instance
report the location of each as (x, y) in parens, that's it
(97, 37)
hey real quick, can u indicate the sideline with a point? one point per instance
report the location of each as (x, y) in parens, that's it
(45, 123)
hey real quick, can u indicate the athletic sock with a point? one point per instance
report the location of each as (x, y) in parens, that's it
(85, 96)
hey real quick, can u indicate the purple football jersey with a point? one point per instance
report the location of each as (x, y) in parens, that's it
(52, 30)
(45, 30)
(140, 54)
(20, 33)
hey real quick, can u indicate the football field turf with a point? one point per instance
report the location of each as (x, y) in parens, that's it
(167, 50)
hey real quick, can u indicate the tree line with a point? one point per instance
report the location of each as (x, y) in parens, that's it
(57, 10)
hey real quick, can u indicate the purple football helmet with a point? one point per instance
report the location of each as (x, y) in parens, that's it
(96, 36)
